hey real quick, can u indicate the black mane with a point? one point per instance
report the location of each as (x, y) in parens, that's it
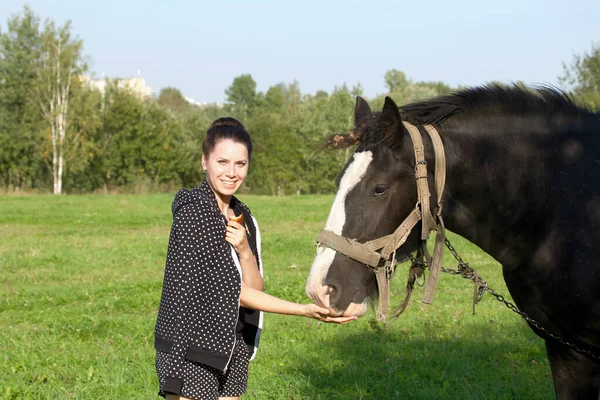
(493, 100)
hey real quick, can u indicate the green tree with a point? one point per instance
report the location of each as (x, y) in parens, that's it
(242, 96)
(20, 123)
(582, 77)
(194, 124)
(415, 92)
(141, 145)
(404, 90)
(158, 159)
(396, 81)
(172, 99)
(327, 115)
(438, 87)
(116, 146)
(274, 161)
(85, 125)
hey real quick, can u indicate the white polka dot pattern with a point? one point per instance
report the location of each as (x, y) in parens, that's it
(207, 383)
(195, 332)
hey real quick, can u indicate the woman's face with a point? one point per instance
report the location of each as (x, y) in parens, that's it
(226, 167)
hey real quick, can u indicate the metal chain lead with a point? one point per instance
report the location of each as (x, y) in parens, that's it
(466, 272)
(469, 273)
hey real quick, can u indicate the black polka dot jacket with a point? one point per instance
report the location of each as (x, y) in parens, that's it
(199, 308)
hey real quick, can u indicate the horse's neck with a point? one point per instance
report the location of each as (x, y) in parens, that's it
(495, 190)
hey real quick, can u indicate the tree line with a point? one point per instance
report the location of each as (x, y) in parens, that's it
(58, 134)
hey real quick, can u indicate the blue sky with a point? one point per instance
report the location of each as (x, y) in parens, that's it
(199, 46)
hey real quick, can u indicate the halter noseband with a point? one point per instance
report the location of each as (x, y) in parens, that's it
(379, 254)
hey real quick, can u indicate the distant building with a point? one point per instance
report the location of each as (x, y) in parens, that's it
(136, 85)
(202, 103)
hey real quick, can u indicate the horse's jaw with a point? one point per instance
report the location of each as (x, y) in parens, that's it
(354, 310)
(320, 292)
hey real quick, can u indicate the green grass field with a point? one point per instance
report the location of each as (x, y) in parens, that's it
(80, 282)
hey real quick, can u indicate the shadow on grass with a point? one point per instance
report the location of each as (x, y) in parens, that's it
(372, 364)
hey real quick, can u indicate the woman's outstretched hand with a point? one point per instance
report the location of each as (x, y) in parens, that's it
(322, 314)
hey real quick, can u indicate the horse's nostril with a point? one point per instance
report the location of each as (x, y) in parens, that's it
(334, 296)
(330, 289)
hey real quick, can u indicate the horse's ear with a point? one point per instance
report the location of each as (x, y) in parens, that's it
(390, 111)
(391, 122)
(361, 110)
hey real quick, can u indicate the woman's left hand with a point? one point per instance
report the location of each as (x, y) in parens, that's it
(236, 236)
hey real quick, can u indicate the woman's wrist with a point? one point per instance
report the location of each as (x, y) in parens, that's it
(245, 254)
(303, 311)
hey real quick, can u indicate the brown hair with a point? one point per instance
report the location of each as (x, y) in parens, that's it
(226, 128)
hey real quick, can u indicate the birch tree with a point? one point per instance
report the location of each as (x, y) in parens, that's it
(60, 63)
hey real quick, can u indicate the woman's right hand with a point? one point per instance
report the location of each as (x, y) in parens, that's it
(322, 314)
(235, 234)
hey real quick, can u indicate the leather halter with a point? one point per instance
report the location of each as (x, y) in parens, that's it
(379, 254)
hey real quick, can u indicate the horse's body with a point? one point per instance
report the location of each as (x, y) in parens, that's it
(523, 183)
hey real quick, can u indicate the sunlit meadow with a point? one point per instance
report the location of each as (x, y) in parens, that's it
(80, 282)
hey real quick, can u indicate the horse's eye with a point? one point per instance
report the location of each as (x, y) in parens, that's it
(380, 190)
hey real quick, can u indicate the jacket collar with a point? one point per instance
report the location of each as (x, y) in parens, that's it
(207, 194)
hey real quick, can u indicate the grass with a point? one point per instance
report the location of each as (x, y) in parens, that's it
(80, 282)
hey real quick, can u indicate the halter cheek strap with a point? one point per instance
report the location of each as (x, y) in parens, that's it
(376, 253)
(430, 222)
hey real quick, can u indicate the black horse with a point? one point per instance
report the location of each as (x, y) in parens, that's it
(523, 183)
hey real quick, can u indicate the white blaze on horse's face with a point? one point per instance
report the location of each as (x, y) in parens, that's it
(315, 288)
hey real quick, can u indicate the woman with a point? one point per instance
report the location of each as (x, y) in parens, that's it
(207, 329)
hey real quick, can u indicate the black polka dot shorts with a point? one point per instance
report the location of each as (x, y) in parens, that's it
(201, 382)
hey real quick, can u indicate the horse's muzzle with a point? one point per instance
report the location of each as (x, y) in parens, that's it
(325, 295)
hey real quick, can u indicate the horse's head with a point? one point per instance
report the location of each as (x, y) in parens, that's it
(376, 191)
